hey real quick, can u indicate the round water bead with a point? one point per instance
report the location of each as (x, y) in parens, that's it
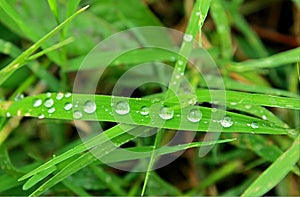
(194, 115)
(166, 114)
(89, 107)
(122, 108)
(226, 122)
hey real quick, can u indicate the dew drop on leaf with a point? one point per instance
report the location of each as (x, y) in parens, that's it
(51, 110)
(254, 125)
(89, 107)
(49, 102)
(264, 117)
(194, 115)
(8, 114)
(68, 94)
(59, 96)
(226, 122)
(144, 111)
(122, 107)
(165, 113)
(41, 116)
(188, 37)
(37, 102)
(77, 114)
(19, 97)
(68, 106)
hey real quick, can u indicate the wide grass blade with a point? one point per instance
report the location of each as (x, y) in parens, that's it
(280, 59)
(275, 172)
(20, 61)
(106, 112)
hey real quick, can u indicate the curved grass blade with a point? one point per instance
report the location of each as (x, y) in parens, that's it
(106, 112)
(287, 57)
(100, 139)
(105, 152)
(20, 61)
(275, 172)
(220, 19)
(243, 98)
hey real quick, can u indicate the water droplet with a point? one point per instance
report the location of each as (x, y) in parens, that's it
(144, 111)
(89, 107)
(77, 114)
(122, 107)
(37, 102)
(49, 102)
(214, 109)
(8, 114)
(198, 13)
(180, 62)
(68, 94)
(248, 106)
(254, 125)
(188, 37)
(19, 97)
(172, 59)
(51, 110)
(41, 116)
(233, 103)
(227, 122)
(264, 117)
(194, 115)
(165, 113)
(48, 94)
(68, 106)
(59, 96)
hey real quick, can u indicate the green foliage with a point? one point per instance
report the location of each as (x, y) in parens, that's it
(46, 44)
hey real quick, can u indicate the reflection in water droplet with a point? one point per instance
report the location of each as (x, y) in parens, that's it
(68, 106)
(165, 113)
(264, 117)
(49, 102)
(8, 114)
(48, 94)
(254, 125)
(248, 106)
(227, 122)
(89, 107)
(144, 111)
(41, 116)
(59, 96)
(51, 110)
(37, 102)
(194, 115)
(77, 114)
(19, 97)
(188, 37)
(122, 108)
(68, 94)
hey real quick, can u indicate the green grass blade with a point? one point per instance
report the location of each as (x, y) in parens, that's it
(17, 63)
(240, 22)
(100, 139)
(275, 172)
(38, 177)
(243, 98)
(52, 48)
(85, 160)
(287, 57)
(106, 112)
(223, 29)
(13, 14)
(54, 8)
(8, 48)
